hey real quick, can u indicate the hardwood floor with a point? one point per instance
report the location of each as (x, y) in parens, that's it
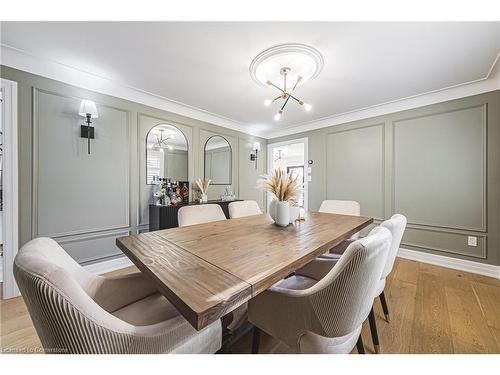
(433, 310)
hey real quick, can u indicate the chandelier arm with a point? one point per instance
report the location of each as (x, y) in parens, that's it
(279, 88)
(284, 104)
(296, 83)
(278, 97)
(297, 100)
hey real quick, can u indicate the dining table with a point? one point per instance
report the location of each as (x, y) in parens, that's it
(208, 270)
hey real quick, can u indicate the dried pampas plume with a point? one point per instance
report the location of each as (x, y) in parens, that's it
(284, 186)
(203, 184)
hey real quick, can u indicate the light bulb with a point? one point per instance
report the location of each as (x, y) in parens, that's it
(307, 107)
(277, 116)
(267, 102)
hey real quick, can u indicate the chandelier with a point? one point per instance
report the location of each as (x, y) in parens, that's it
(285, 95)
(161, 143)
(293, 64)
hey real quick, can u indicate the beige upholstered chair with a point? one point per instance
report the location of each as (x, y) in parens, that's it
(75, 311)
(396, 225)
(322, 309)
(243, 208)
(199, 214)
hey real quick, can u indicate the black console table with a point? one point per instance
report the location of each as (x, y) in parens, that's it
(164, 217)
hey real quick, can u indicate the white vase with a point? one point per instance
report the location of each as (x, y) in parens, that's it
(294, 214)
(204, 198)
(282, 214)
(272, 209)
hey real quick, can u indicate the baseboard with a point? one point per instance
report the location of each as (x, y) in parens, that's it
(448, 262)
(108, 265)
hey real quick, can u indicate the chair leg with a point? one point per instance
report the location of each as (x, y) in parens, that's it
(373, 330)
(360, 346)
(384, 306)
(255, 340)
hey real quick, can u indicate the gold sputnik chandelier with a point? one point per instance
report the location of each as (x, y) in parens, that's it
(286, 94)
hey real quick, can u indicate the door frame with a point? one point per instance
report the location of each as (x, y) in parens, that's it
(305, 141)
(8, 113)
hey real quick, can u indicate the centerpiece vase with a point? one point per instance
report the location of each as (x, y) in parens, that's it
(282, 214)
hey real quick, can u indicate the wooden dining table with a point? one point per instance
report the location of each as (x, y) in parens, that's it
(208, 270)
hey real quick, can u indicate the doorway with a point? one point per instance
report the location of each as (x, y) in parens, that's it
(291, 156)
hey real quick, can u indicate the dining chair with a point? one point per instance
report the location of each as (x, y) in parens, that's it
(322, 309)
(199, 214)
(77, 312)
(243, 208)
(396, 225)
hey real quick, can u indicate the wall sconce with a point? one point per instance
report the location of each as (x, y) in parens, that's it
(253, 157)
(88, 110)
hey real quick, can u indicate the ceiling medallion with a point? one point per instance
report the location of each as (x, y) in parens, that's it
(293, 63)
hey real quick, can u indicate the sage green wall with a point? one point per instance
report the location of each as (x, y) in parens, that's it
(439, 165)
(86, 201)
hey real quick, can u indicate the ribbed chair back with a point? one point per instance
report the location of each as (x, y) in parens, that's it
(342, 299)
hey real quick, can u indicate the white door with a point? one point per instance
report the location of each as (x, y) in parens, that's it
(290, 156)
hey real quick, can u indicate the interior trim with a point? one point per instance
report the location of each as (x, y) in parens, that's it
(23, 60)
(454, 263)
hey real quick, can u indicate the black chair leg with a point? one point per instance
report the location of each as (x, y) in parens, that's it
(360, 346)
(255, 340)
(384, 306)
(373, 329)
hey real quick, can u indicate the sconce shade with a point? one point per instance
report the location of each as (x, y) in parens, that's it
(88, 106)
(256, 146)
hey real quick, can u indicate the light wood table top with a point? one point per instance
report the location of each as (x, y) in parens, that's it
(208, 270)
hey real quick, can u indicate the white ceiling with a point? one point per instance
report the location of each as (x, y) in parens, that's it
(206, 65)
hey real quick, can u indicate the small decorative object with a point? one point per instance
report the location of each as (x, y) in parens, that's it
(185, 192)
(228, 195)
(88, 110)
(285, 187)
(253, 156)
(203, 186)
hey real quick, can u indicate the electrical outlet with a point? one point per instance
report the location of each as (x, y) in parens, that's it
(472, 241)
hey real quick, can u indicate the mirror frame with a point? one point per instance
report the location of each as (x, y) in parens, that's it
(230, 160)
(146, 140)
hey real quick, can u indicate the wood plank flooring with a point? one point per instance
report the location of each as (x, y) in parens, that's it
(433, 310)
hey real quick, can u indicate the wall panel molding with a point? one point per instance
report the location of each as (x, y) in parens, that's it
(125, 220)
(382, 161)
(445, 226)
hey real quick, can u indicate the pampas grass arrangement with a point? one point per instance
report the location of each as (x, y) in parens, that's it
(203, 184)
(285, 187)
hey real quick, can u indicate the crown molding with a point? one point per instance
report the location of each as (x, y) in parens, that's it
(490, 82)
(23, 60)
(30, 63)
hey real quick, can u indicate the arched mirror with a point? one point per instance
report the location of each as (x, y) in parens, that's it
(166, 154)
(218, 160)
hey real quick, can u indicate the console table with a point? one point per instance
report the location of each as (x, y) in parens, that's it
(164, 217)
